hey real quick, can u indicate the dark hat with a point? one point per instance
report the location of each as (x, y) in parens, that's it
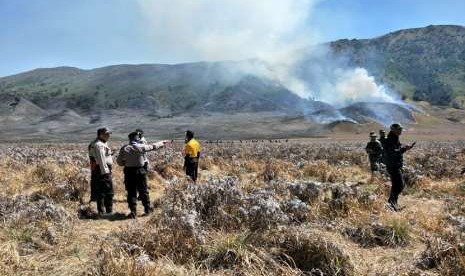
(133, 135)
(103, 130)
(382, 131)
(139, 130)
(189, 134)
(396, 126)
(372, 134)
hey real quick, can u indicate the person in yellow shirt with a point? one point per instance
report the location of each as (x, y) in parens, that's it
(191, 155)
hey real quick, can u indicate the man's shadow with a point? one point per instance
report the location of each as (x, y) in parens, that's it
(85, 212)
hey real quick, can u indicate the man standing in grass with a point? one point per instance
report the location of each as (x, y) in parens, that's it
(375, 153)
(101, 162)
(191, 156)
(393, 154)
(132, 157)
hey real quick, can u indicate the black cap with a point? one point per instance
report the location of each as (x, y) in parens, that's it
(133, 135)
(139, 130)
(396, 126)
(103, 130)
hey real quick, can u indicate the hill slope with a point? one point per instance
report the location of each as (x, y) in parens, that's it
(423, 63)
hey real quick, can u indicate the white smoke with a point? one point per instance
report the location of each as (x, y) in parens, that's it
(273, 31)
(354, 85)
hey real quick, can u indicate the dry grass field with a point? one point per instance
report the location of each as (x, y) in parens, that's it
(295, 208)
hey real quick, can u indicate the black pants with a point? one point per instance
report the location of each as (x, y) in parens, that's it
(94, 178)
(104, 193)
(192, 169)
(374, 163)
(397, 180)
(135, 181)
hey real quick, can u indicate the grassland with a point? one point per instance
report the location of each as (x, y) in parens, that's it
(295, 208)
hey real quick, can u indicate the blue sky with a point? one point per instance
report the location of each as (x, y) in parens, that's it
(95, 33)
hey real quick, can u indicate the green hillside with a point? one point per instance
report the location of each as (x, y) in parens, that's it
(422, 64)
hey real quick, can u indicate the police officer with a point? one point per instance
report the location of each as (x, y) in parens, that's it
(101, 162)
(94, 172)
(375, 153)
(191, 155)
(393, 151)
(142, 140)
(132, 157)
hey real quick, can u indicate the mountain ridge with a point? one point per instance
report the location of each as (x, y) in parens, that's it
(422, 64)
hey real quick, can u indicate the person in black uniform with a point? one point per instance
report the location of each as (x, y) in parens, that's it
(393, 154)
(375, 153)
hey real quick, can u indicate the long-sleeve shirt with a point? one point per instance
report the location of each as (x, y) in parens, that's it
(393, 152)
(132, 155)
(100, 152)
(374, 149)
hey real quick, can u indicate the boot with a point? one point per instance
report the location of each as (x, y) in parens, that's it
(147, 210)
(132, 214)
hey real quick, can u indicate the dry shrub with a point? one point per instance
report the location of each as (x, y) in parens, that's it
(312, 253)
(331, 200)
(221, 203)
(320, 170)
(34, 224)
(393, 233)
(175, 235)
(448, 257)
(73, 186)
(46, 171)
(271, 171)
(9, 257)
(123, 260)
(168, 171)
(242, 254)
(231, 252)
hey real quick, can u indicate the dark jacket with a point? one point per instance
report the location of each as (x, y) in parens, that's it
(374, 149)
(393, 152)
(382, 140)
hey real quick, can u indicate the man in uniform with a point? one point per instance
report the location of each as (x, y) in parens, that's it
(382, 139)
(142, 140)
(191, 155)
(382, 136)
(101, 162)
(375, 153)
(393, 152)
(132, 157)
(141, 136)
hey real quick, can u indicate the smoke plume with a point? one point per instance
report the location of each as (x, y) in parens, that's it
(275, 32)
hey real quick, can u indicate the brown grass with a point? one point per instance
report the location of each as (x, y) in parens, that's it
(257, 226)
